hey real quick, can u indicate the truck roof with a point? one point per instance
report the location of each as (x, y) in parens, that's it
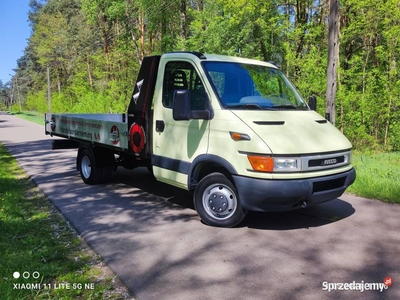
(218, 57)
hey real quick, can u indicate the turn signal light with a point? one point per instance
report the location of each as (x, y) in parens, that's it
(236, 136)
(261, 163)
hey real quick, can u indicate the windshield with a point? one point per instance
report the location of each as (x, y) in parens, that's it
(245, 86)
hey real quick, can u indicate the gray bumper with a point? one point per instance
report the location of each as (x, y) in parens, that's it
(280, 195)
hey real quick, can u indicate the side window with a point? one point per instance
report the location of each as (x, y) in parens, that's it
(183, 76)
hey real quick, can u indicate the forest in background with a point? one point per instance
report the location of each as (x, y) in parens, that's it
(85, 54)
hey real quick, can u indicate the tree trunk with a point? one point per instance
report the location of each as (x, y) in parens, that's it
(200, 5)
(364, 76)
(48, 90)
(89, 71)
(142, 33)
(389, 108)
(132, 30)
(341, 126)
(58, 80)
(183, 19)
(163, 27)
(333, 54)
(104, 30)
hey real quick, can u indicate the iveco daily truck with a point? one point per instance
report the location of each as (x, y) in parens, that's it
(234, 131)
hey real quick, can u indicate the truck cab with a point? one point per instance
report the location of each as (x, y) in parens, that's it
(237, 133)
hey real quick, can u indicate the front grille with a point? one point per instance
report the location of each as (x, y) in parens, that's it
(320, 186)
(324, 162)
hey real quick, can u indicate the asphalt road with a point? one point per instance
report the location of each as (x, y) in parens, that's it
(151, 237)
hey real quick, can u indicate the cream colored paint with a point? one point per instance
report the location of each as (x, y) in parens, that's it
(300, 134)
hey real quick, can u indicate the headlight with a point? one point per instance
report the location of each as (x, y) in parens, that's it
(348, 157)
(286, 164)
(274, 164)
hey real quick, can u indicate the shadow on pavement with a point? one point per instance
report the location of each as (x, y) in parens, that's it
(319, 215)
(152, 238)
(160, 196)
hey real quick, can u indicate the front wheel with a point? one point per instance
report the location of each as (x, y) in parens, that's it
(216, 201)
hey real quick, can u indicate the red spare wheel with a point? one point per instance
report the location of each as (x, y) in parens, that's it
(137, 138)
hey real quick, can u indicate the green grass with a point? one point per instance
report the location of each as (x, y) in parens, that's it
(378, 176)
(32, 116)
(35, 238)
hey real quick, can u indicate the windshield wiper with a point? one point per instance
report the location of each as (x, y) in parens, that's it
(285, 106)
(246, 106)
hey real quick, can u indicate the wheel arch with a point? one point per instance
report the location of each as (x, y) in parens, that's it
(206, 164)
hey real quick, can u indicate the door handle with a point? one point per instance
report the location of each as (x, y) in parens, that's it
(160, 125)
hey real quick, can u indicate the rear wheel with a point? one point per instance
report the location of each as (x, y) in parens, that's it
(217, 203)
(86, 165)
(108, 162)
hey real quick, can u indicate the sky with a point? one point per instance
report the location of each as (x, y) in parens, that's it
(14, 34)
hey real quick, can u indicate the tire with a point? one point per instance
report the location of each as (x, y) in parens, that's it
(108, 160)
(86, 165)
(150, 169)
(217, 203)
(106, 173)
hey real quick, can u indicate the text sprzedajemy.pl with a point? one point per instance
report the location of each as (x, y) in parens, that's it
(354, 286)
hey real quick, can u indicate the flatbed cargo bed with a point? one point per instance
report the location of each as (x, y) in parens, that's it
(105, 129)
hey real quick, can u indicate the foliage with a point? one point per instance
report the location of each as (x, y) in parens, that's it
(93, 50)
(4, 95)
(378, 176)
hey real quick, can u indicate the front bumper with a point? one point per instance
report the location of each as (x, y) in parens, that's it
(281, 195)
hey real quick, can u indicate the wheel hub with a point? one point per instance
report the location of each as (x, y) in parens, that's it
(218, 202)
(86, 167)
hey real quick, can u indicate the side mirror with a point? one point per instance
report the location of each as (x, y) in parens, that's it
(181, 108)
(312, 102)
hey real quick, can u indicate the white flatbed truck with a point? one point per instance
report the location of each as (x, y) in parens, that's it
(234, 131)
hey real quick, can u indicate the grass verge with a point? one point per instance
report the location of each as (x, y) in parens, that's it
(37, 243)
(378, 176)
(32, 116)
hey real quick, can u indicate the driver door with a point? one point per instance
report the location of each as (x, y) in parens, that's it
(177, 143)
